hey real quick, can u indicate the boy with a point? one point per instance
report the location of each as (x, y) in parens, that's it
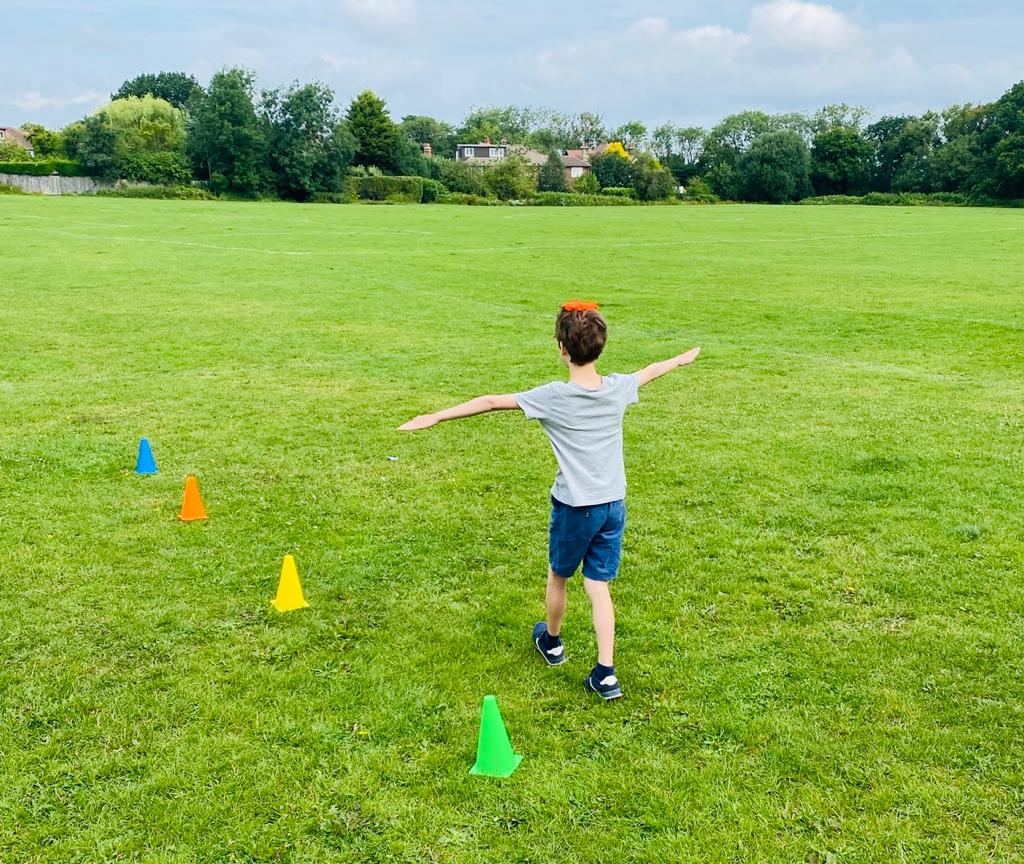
(583, 419)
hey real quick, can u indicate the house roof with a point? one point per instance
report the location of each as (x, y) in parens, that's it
(15, 135)
(574, 162)
(482, 144)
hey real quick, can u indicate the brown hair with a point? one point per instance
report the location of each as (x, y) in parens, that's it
(582, 333)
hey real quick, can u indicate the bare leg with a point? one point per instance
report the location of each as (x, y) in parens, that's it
(557, 597)
(604, 619)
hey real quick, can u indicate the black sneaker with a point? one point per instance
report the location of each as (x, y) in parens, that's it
(554, 652)
(607, 688)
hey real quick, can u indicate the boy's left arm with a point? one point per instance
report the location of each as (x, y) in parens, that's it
(480, 405)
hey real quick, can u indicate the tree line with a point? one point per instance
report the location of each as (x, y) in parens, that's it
(293, 142)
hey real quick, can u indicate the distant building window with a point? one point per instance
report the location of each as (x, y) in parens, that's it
(576, 171)
(468, 152)
(495, 153)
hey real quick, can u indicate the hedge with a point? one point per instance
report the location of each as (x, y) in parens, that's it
(619, 191)
(186, 193)
(470, 199)
(433, 190)
(64, 167)
(911, 199)
(398, 189)
(572, 199)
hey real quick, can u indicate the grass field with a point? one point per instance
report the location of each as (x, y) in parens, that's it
(820, 609)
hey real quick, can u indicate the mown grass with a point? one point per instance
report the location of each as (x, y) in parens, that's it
(820, 606)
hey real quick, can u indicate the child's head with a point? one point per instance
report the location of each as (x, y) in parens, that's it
(581, 332)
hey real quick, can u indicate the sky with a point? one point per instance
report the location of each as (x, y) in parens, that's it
(689, 62)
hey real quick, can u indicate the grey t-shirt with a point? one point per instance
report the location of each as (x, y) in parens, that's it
(585, 428)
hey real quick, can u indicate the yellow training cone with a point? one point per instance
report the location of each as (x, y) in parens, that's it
(289, 591)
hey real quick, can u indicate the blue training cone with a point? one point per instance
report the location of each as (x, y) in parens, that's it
(145, 464)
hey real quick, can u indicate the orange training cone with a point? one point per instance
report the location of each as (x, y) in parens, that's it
(191, 505)
(289, 591)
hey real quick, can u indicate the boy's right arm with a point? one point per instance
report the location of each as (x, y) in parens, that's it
(480, 405)
(656, 370)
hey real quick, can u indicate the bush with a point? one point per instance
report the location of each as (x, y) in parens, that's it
(469, 199)
(511, 178)
(404, 190)
(458, 176)
(587, 184)
(651, 179)
(901, 199)
(64, 167)
(11, 152)
(574, 199)
(345, 197)
(178, 193)
(619, 191)
(434, 190)
(699, 191)
(164, 168)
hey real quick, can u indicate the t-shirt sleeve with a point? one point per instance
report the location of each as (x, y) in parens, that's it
(630, 389)
(536, 403)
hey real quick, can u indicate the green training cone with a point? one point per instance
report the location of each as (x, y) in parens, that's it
(494, 756)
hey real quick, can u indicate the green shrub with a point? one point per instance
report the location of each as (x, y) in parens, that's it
(698, 191)
(164, 168)
(458, 176)
(574, 199)
(433, 190)
(619, 191)
(903, 199)
(331, 198)
(406, 190)
(470, 199)
(587, 184)
(11, 152)
(181, 193)
(64, 167)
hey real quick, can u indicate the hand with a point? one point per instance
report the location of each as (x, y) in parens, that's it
(689, 356)
(424, 421)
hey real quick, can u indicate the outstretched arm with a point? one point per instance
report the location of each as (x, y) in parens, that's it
(480, 405)
(656, 370)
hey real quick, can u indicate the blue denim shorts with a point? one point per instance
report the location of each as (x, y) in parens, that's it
(590, 535)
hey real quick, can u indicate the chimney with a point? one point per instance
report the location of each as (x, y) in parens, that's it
(428, 151)
(486, 141)
(504, 140)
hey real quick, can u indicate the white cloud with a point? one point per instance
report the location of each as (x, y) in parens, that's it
(802, 26)
(383, 15)
(34, 101)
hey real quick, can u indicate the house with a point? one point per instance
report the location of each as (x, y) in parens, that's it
(485, 153)
(10, 135)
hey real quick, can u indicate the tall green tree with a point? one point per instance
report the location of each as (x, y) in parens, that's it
(775, 169)
(651, 180)
(1000, 168)
(611, 169)
(174, 87)
(551, 177)
(309, 148)
(426, 130)
(511, 122)
(46, 143)
(375, 134)
(840, 162)
(226, 142)
(632, 134)
(663, 141)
